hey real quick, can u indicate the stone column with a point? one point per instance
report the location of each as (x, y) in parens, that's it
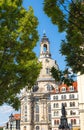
(30, 111)
(43, 113)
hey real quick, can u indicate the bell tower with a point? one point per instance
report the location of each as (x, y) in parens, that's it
(45, 47)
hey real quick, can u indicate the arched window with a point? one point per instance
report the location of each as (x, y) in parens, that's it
(65, 104)
(73, 96)
(74, 121)
(37, 117)
(55, 122)
(73, 103)
(55, 105)
(70, 96)
(55, 97)
(36, 108)
(37, 127)
(63, 97)
(71, 112)
(56, 113)
(47, 71)
(45, 48)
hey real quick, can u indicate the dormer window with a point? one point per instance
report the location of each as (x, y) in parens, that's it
(71, 88)
(63, 89)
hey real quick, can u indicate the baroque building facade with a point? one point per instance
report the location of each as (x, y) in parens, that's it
(35, 104)
(68, 95)
(38, 106)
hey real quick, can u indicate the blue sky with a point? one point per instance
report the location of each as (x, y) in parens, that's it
(55, 40)
(51, 31)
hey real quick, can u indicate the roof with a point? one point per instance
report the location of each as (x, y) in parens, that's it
(59, 90)
(44, 38)
(16, 116)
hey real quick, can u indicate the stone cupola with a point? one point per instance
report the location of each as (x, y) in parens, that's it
(45, 47)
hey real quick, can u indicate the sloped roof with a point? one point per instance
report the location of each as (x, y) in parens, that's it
(67, 88)
(16, 116)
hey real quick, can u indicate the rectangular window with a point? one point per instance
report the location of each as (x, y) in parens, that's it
(37, 118)
(47, 70)
(49, 117)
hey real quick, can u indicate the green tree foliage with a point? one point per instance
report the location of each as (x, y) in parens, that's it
(65, 76)
(19, 66)
(69, 16)
(1, 128)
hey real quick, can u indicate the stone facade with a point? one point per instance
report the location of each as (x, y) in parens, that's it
(35, 104)
(37, 112)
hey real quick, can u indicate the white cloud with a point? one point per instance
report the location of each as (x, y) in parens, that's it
(3, 123)
(5, 112)
(6, 109)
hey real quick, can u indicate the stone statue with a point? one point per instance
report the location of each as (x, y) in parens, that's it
(63, 120)
(63, 110)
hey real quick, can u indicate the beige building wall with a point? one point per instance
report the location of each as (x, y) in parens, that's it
(56, 104)
(80, 80)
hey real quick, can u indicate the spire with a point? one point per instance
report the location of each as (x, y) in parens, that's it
(44, 38)
(44, 32)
